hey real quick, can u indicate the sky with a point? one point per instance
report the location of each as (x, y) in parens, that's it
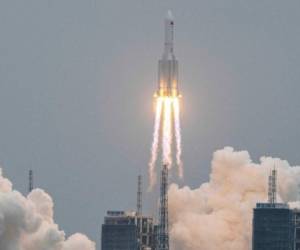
(77, 80)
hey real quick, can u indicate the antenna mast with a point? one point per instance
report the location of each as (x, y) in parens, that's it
(30, 181)
(139, 207)
(272, 186)
(139, 202)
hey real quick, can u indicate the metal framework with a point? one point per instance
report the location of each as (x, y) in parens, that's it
(163, 233)
(272, 186)
(139, 201)
(139, 212)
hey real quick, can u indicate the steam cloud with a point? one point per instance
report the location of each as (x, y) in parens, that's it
(218, 214)
(26, 223)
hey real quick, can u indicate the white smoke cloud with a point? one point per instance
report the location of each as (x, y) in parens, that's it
(218, 214)
(26, 223)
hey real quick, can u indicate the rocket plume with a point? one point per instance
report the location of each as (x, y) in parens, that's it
(166, 127)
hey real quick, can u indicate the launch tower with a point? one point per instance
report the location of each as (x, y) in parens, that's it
(163, 231)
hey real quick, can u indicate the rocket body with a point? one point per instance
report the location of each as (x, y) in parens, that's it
(168, 65)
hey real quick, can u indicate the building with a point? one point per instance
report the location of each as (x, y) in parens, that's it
(273, 227)
(297, 229)
(119, 231)
(145, 233)
(274, 224)
(127, 231)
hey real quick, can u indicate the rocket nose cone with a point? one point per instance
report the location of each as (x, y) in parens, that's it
(169, 16)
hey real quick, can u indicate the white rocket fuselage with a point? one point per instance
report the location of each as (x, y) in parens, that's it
(168, 65)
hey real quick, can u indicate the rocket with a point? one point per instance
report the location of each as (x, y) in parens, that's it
(168, 65)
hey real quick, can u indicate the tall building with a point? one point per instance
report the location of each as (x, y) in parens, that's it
(119, 231)
(273, 227)
(127, 231)
(276, 226)
(273, 223)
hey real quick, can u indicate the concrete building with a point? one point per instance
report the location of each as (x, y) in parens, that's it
(127, 231)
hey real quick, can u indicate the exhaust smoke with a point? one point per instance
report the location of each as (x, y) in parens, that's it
(26, 223)
(218, 214)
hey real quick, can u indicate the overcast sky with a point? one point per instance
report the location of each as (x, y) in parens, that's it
(76, 85)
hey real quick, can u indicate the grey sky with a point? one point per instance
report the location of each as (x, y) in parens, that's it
(77, 79)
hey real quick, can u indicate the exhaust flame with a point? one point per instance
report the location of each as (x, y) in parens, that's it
(167, 120)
